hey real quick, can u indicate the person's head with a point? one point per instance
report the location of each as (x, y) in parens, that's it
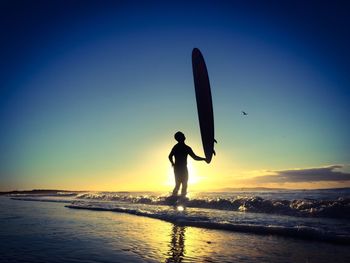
(179, 136)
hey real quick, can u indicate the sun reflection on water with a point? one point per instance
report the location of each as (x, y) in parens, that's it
(180, 208)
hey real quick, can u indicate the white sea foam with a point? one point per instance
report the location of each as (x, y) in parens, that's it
(337, 208)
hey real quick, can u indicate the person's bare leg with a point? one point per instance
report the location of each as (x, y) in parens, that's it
(177, 185)
(184, 182)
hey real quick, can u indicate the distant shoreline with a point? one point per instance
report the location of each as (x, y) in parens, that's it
(56, 191)
(39, 191)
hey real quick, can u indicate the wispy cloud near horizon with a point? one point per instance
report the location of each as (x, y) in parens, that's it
(315, 174)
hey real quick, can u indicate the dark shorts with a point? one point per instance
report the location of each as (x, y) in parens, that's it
(181, 172)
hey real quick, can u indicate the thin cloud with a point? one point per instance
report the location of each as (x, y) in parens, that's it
(329, 173)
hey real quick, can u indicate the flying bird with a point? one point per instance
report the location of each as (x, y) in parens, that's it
(244, 113)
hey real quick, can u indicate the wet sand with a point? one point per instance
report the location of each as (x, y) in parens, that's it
(49, 232)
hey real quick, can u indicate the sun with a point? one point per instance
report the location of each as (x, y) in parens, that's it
(193, 177)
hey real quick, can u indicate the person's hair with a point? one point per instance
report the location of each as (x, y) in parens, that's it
(179, 136)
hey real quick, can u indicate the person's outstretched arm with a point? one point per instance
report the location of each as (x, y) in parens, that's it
(194, 156)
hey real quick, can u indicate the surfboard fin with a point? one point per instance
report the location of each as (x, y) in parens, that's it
(213, 149)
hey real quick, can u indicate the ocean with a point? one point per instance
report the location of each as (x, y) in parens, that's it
(235, 226)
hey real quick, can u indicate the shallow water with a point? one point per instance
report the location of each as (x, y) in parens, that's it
(322, 215)
(50, 232)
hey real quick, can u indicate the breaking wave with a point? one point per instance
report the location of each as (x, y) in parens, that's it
(338, 208)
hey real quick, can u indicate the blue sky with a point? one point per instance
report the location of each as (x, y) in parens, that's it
(94, 91)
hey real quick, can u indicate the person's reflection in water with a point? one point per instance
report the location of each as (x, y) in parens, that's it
(177, 245)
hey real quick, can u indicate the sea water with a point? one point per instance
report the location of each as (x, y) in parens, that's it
(77, 227)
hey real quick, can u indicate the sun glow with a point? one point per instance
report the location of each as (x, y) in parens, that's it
(193, 177)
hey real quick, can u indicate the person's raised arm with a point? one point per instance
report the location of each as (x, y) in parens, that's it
(194, 156)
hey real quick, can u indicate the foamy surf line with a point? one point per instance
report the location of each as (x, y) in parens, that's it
(336, 208)
(302, 232)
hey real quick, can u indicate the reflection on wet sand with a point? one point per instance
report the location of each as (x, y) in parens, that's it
(94, 236)
(177, 244)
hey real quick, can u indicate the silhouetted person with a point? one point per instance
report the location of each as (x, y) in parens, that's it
(180, 152)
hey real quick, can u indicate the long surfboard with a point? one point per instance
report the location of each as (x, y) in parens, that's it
(204, 103)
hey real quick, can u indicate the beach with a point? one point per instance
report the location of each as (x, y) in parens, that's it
(34, 231)
(175, 131)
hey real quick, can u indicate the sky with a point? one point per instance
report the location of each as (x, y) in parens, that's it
(92, 92)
